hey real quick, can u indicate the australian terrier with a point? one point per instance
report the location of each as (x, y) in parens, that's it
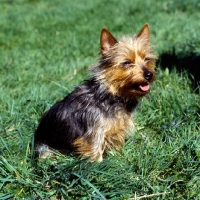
(97, 115)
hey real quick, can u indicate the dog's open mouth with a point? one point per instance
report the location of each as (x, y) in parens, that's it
(142, 87)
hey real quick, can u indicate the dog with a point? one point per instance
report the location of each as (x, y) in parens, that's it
(98, 114)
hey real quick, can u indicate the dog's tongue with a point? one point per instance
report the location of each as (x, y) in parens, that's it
(144, 87)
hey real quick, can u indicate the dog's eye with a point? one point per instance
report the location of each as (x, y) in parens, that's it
(147, 59)
(126, 63)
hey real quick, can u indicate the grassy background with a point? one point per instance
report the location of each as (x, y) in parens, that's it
(46, 48)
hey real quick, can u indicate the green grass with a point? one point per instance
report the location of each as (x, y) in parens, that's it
(46, 48)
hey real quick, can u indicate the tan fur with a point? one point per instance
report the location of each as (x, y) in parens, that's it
(108, 134)
(134, 49)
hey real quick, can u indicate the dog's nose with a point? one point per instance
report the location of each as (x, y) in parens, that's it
(147, 74)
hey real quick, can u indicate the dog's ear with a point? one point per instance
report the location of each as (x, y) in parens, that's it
(145, 32)
(107, 40)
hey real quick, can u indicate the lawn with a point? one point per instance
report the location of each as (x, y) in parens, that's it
(46, 48)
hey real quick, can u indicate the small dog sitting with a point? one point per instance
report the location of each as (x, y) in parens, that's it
(97, 115)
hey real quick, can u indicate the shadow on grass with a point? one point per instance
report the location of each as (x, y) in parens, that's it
(189, 62)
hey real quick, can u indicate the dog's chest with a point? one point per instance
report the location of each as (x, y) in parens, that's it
(116, 129)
